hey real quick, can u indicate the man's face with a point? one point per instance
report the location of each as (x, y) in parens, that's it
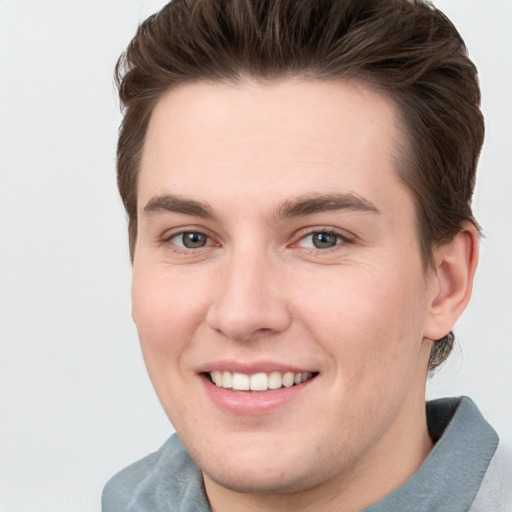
(275, 240)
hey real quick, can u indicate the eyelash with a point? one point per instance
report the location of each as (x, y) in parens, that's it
(180, 248)
(342, 239)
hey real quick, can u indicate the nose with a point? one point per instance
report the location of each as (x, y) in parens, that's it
(249, 301)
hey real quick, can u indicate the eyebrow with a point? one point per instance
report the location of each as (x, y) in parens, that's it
(301, 206)
(318, 203)
(177, 204)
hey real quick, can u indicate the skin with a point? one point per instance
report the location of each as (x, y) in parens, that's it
(360, 314)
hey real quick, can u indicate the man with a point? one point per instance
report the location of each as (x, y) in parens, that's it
(298, 179)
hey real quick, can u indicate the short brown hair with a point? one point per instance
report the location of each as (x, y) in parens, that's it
(405, 49)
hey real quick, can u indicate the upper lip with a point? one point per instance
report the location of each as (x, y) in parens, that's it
(253, 367)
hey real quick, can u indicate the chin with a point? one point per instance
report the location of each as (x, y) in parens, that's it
(264, 481)
(263, 468)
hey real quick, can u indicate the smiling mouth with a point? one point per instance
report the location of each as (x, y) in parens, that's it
(258, 381)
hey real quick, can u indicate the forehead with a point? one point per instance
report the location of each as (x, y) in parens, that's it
(290, 136)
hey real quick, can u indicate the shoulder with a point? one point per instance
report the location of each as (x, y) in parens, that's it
(496, 490)
(166, 478)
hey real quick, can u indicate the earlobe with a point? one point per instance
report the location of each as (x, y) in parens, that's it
(455, 266)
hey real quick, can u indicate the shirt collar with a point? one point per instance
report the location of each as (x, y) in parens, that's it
(451, 475)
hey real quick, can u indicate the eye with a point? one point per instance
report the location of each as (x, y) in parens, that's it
(321, 240)
(190, 240)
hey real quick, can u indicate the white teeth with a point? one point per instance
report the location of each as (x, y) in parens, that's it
(288, 379)
(227, 380)
(275, 380)
(258, 381)
(241, 382)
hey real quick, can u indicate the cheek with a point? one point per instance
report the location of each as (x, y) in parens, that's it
(165, 311)
(370, 322)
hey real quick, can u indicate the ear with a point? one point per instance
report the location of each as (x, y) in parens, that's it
(452, 281)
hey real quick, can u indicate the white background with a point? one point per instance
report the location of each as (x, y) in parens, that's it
(75, 402)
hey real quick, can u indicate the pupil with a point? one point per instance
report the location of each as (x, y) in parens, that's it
(194, 240)
(324, 240)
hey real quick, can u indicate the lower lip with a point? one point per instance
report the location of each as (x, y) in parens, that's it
(254, 403)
